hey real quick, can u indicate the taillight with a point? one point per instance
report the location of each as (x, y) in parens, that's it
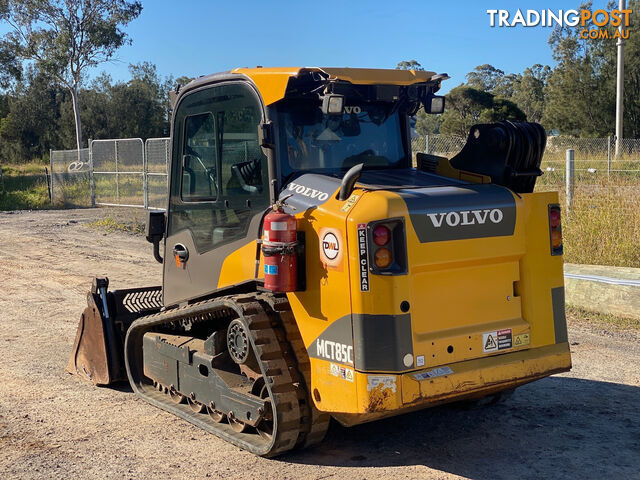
(555, 229)
(387, 247)
(383, 258)
(381, 235)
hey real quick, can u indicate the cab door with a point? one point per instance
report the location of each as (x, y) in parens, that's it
(219, 187)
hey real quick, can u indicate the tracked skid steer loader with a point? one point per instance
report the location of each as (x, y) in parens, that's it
(314, 268)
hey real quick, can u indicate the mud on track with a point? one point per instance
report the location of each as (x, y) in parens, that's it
(584, 424)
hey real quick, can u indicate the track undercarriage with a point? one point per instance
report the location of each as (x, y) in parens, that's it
(234, 366)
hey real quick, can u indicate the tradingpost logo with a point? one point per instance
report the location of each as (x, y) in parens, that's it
(594, 23)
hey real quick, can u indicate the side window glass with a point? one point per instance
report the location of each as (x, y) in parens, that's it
(242, 158)
(199, 176)
(223, 183)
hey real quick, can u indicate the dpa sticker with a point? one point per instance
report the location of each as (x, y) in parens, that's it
(382, 381)
(271, 269)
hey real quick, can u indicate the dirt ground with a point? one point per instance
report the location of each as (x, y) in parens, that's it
(584, 424)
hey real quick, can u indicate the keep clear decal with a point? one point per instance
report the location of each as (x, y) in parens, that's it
(497, 340)
(364, 257)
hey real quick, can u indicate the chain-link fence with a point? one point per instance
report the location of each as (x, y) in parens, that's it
(157, 155)
(70, 178)
(116, 172)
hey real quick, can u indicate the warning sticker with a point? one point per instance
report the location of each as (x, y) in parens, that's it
(497, 340)
(521, 340)
(436, 372)
(341, 372)
(351, 201)
(364, 257)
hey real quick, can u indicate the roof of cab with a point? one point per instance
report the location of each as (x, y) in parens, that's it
(272, 82)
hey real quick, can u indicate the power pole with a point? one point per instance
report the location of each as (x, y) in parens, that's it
(620, 84)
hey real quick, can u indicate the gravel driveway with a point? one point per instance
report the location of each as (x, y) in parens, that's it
(583, 424)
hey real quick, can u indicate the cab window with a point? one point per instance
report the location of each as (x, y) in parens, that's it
(223, 180)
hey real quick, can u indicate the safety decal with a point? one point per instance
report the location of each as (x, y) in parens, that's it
(331, 247)
(364, 257)
(436, 372)
(271, 269)
(351, 201)
(521, 340)
(497, 340)
(382, 381)
(341, 372)
(420, 361)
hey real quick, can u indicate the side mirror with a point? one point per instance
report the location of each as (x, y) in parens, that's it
(154, 232)
(434, 104)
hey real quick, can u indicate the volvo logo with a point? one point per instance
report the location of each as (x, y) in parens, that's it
(308, 191)
(466, 217)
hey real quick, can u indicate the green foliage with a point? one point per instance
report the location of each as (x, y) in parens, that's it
(466, 106)
(38, 114)
(427, 124)
(25, 188)
(64, 38)
(485, 77)
(409, 65)
(580, 94)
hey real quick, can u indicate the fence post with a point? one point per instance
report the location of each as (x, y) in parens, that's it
(426, 144)
(569, 177)
(608, 156)
(51, 169)
(92, 182)
(115, 147)
(145, 174)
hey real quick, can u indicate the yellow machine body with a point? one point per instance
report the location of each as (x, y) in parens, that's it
(458, 292)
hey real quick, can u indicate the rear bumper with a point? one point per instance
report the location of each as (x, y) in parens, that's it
(381, 395)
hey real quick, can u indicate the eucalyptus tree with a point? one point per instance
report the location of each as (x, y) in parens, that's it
(63, 39)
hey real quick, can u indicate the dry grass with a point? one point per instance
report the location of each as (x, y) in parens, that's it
(602, 320)
(602, 227)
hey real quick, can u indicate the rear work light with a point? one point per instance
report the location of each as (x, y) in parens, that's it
(555, 229)
(387, 247)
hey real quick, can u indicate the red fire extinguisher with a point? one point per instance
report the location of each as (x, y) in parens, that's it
(279, 251)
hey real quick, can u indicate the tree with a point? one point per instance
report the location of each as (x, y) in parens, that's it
(409, 65)
(65, 38)
(580, 92)
(467, 106)
(529, 91)
(30, 127)
(485, 77)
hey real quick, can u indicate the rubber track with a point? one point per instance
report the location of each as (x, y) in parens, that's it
(269, 343)
(314, 424)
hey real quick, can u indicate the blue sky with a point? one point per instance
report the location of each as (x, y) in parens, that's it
(197, 37)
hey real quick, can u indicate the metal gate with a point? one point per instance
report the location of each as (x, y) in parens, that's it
(117, 172)
(156, 167)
